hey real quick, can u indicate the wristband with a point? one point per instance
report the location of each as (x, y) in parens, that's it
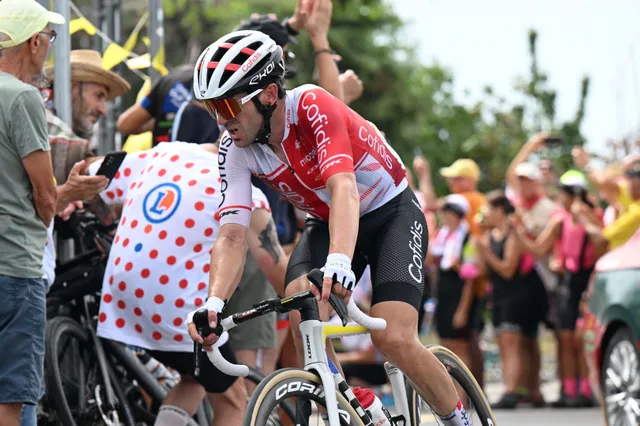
(215, 304)
(289, 28)
(321, 51)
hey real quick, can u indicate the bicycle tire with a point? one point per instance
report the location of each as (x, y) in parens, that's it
(56, 329)
(465, 379)
(269, 393)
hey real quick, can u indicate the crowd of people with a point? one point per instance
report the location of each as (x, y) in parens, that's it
(525, 253)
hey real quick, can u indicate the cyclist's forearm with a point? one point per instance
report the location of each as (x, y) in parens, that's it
(344, 218)
(227, 263)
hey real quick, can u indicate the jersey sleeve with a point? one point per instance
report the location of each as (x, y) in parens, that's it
(235, 184)
(127, 176)
(322, 119)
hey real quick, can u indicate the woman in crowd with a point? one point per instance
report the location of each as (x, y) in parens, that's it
(578, 255)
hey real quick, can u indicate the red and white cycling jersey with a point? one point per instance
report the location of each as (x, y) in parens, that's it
(322, 137)
(158, 267)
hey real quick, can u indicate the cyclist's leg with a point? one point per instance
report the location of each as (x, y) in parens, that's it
(396, 251)
(229, 406)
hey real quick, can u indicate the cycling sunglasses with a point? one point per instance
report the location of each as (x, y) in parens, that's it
(228, 108)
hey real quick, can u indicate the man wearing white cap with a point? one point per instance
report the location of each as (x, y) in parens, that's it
(27, 202)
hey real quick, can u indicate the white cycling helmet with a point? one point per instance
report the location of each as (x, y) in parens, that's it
(241, 61)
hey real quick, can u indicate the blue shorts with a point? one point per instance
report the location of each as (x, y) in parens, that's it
(22, 328)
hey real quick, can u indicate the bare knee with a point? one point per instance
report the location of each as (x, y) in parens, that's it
(394, 345)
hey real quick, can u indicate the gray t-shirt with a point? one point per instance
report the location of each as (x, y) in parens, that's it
(23, 130)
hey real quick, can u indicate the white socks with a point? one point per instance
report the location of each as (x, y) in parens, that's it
(169, 415)
(457, 417)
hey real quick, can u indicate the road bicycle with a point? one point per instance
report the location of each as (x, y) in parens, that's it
(320, 381)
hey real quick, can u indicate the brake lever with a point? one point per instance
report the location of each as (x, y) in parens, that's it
(316, 276)
(201, 320)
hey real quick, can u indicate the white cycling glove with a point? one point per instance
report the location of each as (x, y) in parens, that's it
(338, 267)
(212, 304)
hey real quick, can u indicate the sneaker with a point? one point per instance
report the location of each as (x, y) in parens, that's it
(583, 401)
(509, 401)
(565, 402)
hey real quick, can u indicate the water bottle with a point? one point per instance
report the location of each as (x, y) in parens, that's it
(370, 402)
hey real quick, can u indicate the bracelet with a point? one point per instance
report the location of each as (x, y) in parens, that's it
(321, 51)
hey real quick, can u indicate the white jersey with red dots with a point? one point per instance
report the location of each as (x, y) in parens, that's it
(322, 137)
(158, 268)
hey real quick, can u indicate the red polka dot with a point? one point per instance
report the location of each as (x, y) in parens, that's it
(138, 328)
(208, 232)
(206, 268)
(188, 165)
(145, 273)
(198, 302)
(122, 286)
(142, 155)
(176, 178)
(125, 242)
(171, 260)
(123, 221)
(162, 172)
(140, 184)
(202, 286)
(164, 279)
(121, 304)
(119, 323)
(111, 195)
(117, 261)
(205, 171)
(137, 312)
(153, 253)
(162, 235)
(139, 293)
(107, 298)
(117, 176)
(147, 229)
(219, 179)
(157, 335)
(178, 337)
(199, 206)
(117, 239)
(127, 172)
(197, 248)
(180, 241)
(179, 303)
(210, 190)
(102, 317)
(192, 182)
(157, 319)
(155, 155)
(159, 299)
(128, 266)
(175, 158)
(134, 224)
(189, 223)
(150, 168)
(111, 279)
(189, 264)
(133, 185)
(177, 322)
(119, 192)
(130, 201)
(183, 283)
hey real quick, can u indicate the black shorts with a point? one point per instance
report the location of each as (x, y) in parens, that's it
(392, 239)
(509, 315)
(212, 379)
(569, 297)
(373, 374)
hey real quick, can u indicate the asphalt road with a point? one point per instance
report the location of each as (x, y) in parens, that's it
(548, 417)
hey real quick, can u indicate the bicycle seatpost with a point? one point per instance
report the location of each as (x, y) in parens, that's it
(201, 320)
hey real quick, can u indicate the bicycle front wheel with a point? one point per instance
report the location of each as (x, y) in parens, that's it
(473, 399)
(264, 407)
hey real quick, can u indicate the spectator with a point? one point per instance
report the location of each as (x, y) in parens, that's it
(525, 191)
(157, 111)
(462, 177)
(27, 201)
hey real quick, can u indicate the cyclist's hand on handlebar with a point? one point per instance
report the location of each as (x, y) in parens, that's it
(206, 341)
(336, 270)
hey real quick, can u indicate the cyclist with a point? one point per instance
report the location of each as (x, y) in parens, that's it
(158, 266)
(335, 166)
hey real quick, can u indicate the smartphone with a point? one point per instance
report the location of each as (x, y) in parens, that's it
(553, 140)
(111, 164)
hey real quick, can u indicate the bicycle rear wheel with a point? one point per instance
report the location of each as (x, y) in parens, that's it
(74, 380)
(283, 385)
(474, 400)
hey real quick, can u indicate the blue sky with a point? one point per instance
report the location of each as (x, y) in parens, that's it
(485, 43)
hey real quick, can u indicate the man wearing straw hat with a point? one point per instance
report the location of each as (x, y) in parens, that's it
(27, 202)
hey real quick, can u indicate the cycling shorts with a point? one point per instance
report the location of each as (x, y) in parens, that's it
(569, 297)
(392, 239)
